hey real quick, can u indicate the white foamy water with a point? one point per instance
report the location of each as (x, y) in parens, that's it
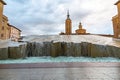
(64, 38)
(59, 59)
(95, 39)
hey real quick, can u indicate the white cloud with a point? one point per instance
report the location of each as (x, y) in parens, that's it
(48, 16)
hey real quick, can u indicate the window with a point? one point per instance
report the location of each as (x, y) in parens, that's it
(3, 28)
(2, 35)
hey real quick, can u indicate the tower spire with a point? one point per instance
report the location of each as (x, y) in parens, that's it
(68, 15)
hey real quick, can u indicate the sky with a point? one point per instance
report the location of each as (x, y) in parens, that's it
(47, 17)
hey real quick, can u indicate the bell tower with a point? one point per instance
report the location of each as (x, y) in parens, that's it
(68, 25)
(117, 29)
(2, 3)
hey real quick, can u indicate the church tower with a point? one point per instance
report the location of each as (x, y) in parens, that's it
(118, 7)
(2, 3)
(118, 26)
(116, 21)
(68, 25)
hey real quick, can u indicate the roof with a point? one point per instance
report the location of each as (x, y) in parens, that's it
(5, 17)
(3, 2)
(117, 2)
(116, 16)
(14, 27)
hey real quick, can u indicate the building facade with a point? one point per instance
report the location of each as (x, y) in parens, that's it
(7, 31)
(80, 30)
(116, 21)
(14, 33)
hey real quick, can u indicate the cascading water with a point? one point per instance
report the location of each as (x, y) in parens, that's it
(72, 47)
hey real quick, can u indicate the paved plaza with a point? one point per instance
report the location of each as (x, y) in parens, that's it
(85, 71)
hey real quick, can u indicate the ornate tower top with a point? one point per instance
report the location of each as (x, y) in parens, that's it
(80, 25)
(117, 2)
(3, 2)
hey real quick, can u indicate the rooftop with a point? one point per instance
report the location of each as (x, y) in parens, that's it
(116, 16)
(14, 27)
(3, 2)
(117, 2)
(5, 17)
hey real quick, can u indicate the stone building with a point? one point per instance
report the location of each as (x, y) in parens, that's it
(6, 30)
(116, 21)
(80, 30)
(14, 33)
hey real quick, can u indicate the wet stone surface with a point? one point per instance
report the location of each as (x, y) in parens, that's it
(88, 73)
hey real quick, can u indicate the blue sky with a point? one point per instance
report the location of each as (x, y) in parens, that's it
(38, 17)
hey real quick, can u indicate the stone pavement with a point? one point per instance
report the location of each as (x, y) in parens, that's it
(81, 72)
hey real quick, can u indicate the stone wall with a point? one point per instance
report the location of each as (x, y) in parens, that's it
(13, 52)
(3, 53)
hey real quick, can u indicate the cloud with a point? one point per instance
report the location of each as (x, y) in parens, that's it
(48, 16)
